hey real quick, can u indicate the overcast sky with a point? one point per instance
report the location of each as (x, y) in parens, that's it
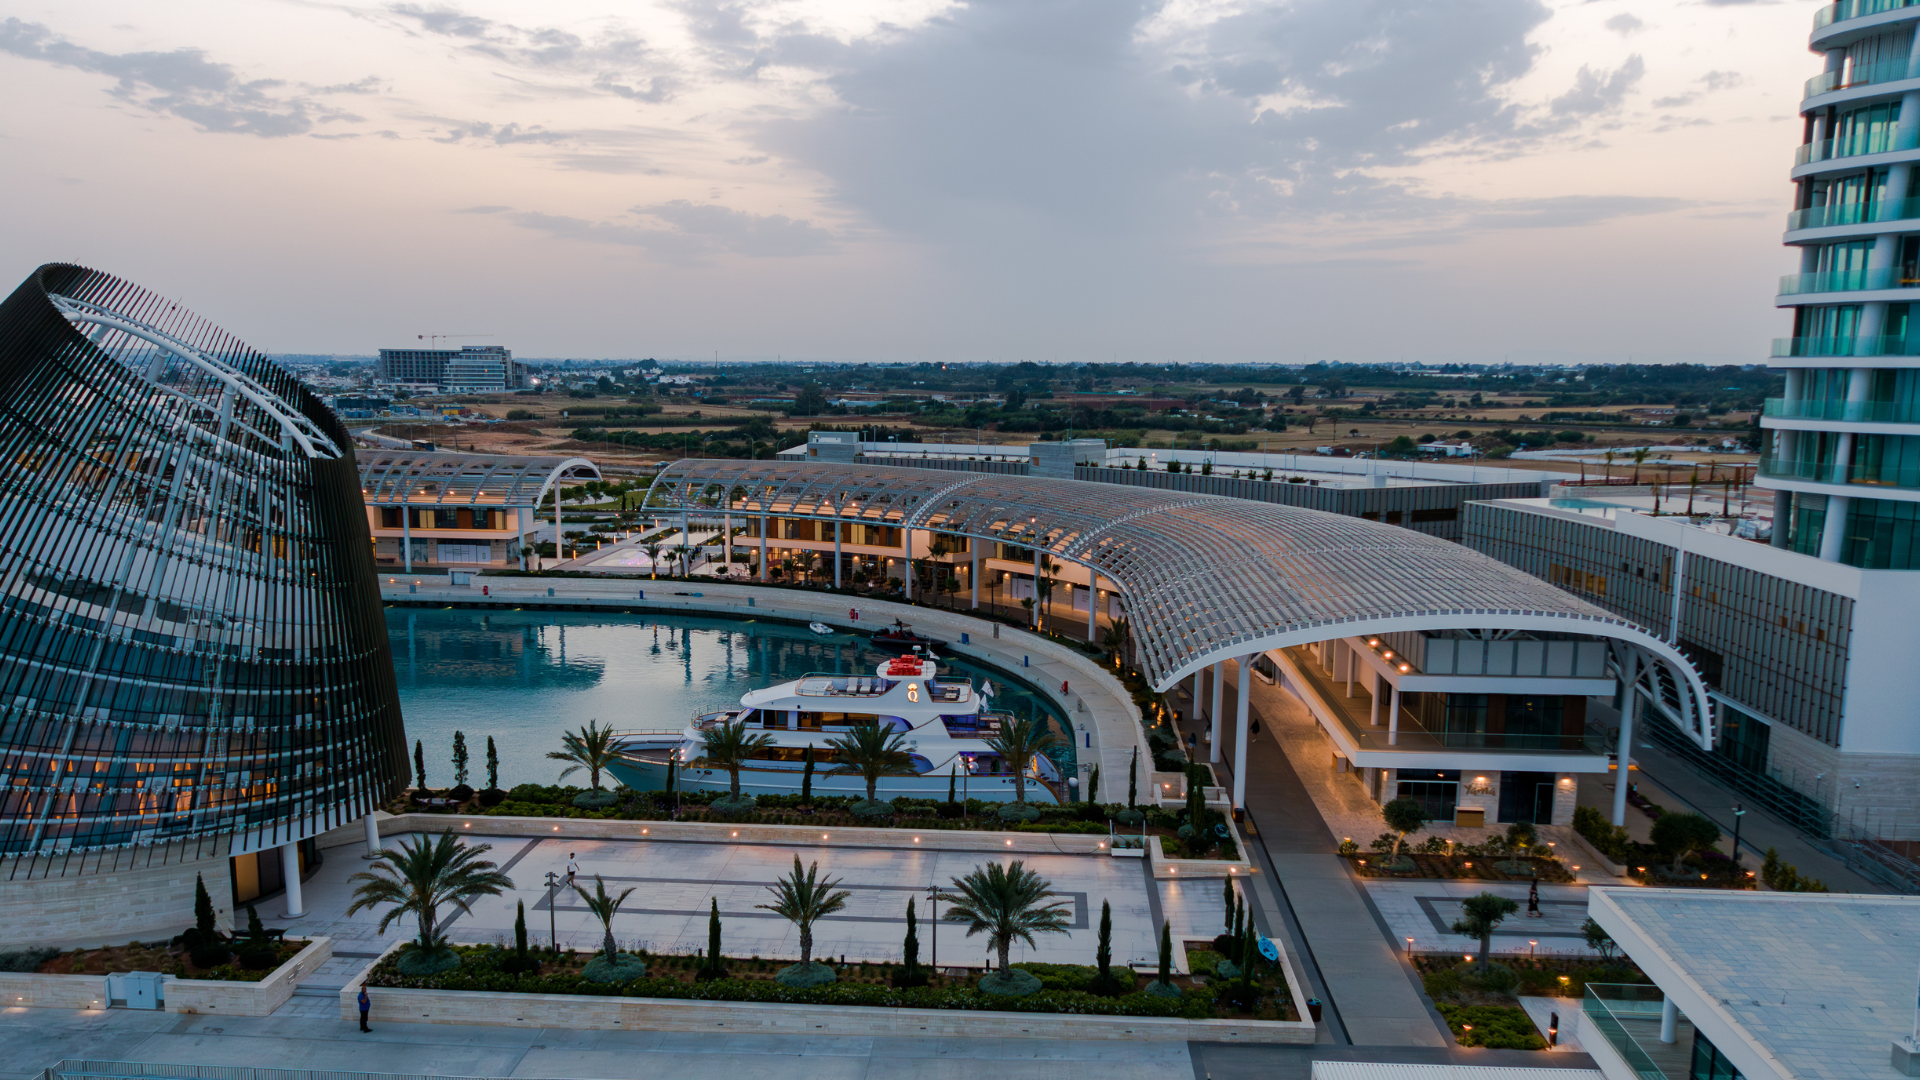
(1002, 179)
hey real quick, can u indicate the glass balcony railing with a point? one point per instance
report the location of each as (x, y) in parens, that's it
(1824, 281)
(1831, 472)
(1881, 141)
(1628, 1017)
(1590, 743)
(1857, 75)
(1854, 213)
(1828, 346)
(1870, 412)
(1855, 9)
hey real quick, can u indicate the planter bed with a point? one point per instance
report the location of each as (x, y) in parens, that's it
(669, 998)
(1483, 868)
(226, 990)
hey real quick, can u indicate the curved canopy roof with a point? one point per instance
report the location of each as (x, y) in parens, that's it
(432, 477)
(1204, 577)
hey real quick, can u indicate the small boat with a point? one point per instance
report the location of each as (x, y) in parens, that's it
(820, 628)
(901, 636)
(944, 726)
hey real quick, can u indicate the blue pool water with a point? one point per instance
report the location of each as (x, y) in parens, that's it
(524, 677)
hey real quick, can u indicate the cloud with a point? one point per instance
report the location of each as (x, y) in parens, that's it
(1599, 91)
(501, 135)
(182, 83)
(613, 62)
(483, 210)
(684, 231)
(1713, 80)
(1625, 25)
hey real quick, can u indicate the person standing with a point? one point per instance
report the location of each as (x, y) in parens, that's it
(366, 1006)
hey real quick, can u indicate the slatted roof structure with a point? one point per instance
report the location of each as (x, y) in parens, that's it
(1203, 577)
(438, 478)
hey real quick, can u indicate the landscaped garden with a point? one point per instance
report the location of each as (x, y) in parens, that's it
(1516, 855)
(1683, 852)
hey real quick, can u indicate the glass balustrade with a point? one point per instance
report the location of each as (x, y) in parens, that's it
(1827, 346)
(1849, 280)
(1858, 75)
(1830, 472)
(1854, 213)
(1627, 1016)
(1871, 412)
(1880, 142)
(1855, 9)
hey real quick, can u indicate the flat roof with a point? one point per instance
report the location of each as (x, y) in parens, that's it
(1787, 985)
(1379, 1070)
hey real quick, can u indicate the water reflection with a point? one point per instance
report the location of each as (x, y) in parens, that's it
(522, 677)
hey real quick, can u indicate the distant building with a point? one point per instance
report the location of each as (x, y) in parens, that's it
(358, 406)
(468, 369)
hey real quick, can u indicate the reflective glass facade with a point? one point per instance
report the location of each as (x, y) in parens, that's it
(193, 657)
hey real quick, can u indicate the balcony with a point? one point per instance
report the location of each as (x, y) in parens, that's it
(1855, 9)
(1830, 472)
(1882, 141)
(1853, 213)
(1858, 75)
(1847, 347)
(1858, 412)
(1627, 1017)
(1848, 281)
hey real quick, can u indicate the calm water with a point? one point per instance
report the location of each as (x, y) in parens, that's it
(524, 677)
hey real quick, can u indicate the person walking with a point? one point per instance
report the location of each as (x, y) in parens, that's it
(573, 867)
(366, 1006)
(1533, 900)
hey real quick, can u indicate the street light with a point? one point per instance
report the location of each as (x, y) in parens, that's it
(1739, 811)
(933, 905)
(553, 882)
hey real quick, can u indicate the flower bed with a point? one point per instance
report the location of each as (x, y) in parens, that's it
(1496, 1027)
(1523, 868)
(1447, 980)
(672, 978)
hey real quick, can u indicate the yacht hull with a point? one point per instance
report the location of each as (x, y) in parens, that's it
(644, 774)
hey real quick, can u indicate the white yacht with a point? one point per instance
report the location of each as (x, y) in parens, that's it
(945, 725)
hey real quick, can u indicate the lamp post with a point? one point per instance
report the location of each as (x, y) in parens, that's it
(553, 882)
(1739, 812)
(933, 905)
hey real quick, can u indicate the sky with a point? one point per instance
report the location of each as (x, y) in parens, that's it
(996, 180)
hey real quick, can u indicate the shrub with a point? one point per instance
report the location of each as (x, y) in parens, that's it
(210, 956)
(1498, 1027)
(1785, 877)
(460, 793)
(1607, 838)
(804, 976)
(1019, 812)
(259, 957)
(1675, 836)
(621, 969)
(595, 800)
(28, 959)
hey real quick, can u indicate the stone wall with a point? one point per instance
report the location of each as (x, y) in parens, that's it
(24, 990)
(225, 998)
(109, 906)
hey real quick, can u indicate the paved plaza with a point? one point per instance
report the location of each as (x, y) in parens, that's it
(1423, 910)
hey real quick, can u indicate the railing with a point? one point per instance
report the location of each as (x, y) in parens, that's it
(1857, 75)
(1870, 412)
(1855, 9)
(1882, 141)
(1853, 213)
(1833, 472)
(1609, 1007)
(1848, 280)
(1560, 744)
(1828, 346)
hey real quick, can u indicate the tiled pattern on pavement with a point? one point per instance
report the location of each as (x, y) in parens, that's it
(1424, 911)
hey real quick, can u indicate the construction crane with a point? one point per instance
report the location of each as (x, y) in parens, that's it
(433, 340)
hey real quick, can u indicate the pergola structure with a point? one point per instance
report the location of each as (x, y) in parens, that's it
(1204, 578)
(440, 479)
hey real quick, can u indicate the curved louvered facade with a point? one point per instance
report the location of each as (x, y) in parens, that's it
(193, 661)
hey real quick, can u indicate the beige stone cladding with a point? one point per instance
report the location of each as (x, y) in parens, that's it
(27, 990)
(1875, 795)
(56, 902)
(225, 998)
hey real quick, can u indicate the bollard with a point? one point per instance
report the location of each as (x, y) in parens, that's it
(413, 586)
(964, 639)
(1026, 661)
(549, 590)
(749, 601)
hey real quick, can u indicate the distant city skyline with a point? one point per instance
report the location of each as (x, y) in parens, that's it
(1064, 182)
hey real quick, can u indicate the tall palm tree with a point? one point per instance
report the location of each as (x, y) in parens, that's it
(685, 555)
(728, 746)
(1017, 744)
(870, 752)
(802, 899)
(653, 558)
(604, 906)
(1639, 455)
(590, 748)
(421, 875)
(1114, 640)
(1609, 456)
(1004, 902)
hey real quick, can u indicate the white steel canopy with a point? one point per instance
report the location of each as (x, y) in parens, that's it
(437, 478)
(1204, 578)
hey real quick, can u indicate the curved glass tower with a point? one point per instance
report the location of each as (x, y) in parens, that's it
(193, 660)
(1845, 459)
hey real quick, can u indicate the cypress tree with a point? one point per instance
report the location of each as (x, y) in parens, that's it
(1093, 786)
(714, 968)
(1226, 903)
(493, 766)
(459, 757)
(203, 917)
(952, 774)
(519, 927)
(910, 948)
(419, 765)
(1103, 953)
(670, 763)
(1166, 953)
(806, 776)
(1133, 778)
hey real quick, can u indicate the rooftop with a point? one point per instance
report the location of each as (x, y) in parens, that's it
(1787, 985)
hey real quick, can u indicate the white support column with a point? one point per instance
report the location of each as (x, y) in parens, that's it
(1213, 720)
(559, 533)
(1245, 689)
(520, 537)
(1353, 661)
(1629, 705)
(973, 571)
(726, 543)
(1669, 1021)
(406, 534)
(907, 565)
(1833, 532)
(1093, 602)
(1393, 718)
(374, 847)
(835, 525)
(290, 866)
(1036, 601)
(1373, 718)
(766, 524)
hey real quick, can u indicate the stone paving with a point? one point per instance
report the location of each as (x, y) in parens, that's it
(1423, 910)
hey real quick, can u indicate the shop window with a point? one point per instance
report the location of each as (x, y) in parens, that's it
(1526, 796)
(1436, 790)
(390, 517)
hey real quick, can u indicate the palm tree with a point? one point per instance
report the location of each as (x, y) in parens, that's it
(420, 876)
(685, 555)
(1017, 744)
(1609, 456)
(1639, 455)
(653, 558)
(728, 746)
(870, 752)
(1115, 638)
(802, 900)
(590, 748)
(604, 907)
(1005, 904)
